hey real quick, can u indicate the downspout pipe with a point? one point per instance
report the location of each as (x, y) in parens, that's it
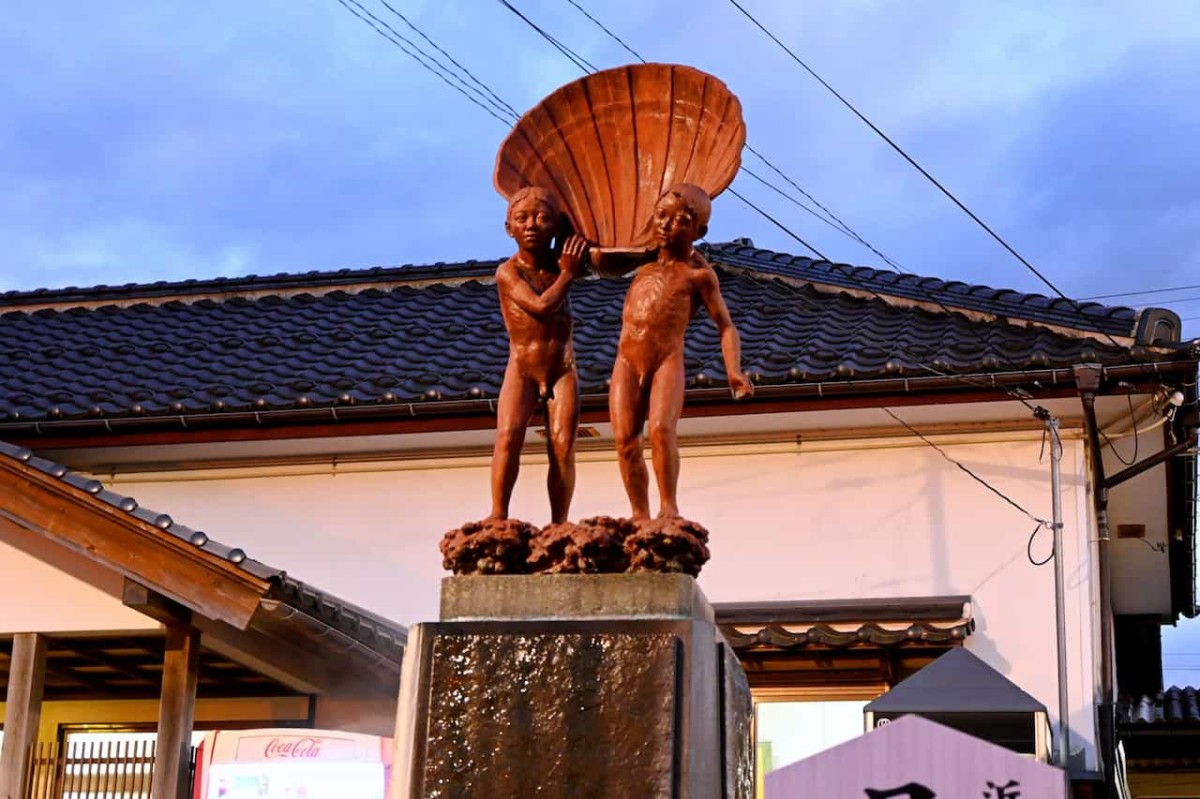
(1087, 383)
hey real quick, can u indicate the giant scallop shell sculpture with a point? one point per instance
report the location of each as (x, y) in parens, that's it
(608, 145)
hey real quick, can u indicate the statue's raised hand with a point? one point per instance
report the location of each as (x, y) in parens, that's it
(573, 259)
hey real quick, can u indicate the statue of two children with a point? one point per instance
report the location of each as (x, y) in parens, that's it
(648, 378)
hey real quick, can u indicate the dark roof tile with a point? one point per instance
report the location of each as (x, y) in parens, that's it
(1174, 706)
(434, 341)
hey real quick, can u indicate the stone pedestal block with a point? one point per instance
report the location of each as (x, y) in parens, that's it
(572, 686)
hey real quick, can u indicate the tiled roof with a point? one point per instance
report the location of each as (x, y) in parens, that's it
(1172, 707)
(845, 623)
(434, 335)
(376, 633)
(1092, 316)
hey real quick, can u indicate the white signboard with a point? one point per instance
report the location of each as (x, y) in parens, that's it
(914, 758)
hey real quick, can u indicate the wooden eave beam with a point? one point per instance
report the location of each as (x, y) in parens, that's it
(273, 650)
(34, 502)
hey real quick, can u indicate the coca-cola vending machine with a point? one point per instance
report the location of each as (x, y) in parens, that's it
(292, 764)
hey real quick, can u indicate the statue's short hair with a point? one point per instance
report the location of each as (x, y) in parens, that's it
(695, 198)
(536, 193)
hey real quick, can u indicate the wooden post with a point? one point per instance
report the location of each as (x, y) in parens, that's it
(176, 710)
(22, 711)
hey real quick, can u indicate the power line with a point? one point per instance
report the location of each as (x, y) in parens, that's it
(842, 226)
(571, 55)
(910, 160)
(835, 223)
(1139, 293)
(1040, 522)
(830, 218)
(452, 60)
(977, 478)
(612, 35)
(440, 74)
(778, 224)
(588, 69)
(838, 223)
(790, 198)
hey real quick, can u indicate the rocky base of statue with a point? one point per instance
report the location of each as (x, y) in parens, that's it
(593, 546)
(667, 545)
(599, 545)
(491, 546)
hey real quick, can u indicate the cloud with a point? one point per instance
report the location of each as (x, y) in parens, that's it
(298, 137)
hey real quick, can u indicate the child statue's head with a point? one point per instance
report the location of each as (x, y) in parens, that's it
(682, 214)
(533, 218)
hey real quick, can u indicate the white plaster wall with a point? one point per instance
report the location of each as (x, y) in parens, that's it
(863, 522)
(1140, 570)
(38, 597)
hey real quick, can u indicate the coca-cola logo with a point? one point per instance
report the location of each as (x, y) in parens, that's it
(293, 747)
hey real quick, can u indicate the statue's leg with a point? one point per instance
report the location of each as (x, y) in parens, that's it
(518, 399)
(627, 410)
(666, 406)
(562, 421)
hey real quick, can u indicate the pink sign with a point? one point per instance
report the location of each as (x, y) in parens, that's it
(914, 758)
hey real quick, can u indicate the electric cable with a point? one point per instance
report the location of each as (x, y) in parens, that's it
(571, 55)
(830, 218)
(914, 164)
(1113, 447)
(614, 36)
(1138, 293)
(451, 58)
(1040, 522)
(499, 105)
(838, 223)
(798, 203)
(964, 468)
(441, 75)
(843, 226)
(778, 224)
(1029, 547)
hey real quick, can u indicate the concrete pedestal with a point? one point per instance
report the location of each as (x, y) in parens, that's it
(597, 686)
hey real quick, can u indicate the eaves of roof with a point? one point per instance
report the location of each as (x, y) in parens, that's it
(1174, 707)
(384, 638)
(283, 283)
(838, 624)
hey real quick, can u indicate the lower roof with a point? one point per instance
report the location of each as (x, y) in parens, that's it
(173, 570)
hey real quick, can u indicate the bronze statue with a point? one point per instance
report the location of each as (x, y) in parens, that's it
(648, 376)
(628, 158)
(533, 287)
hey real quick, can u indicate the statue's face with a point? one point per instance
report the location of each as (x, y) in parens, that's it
(532, 223)
(675, 223)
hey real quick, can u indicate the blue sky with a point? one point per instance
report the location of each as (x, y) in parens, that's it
(168, 140)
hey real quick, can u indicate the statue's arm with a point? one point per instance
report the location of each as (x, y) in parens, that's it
(516, 290)
(709, 289)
